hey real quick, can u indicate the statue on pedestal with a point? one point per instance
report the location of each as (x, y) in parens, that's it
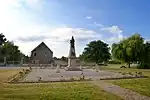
(72, 57)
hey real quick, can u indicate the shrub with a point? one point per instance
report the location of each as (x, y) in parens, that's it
(144, 66)
(71, 79)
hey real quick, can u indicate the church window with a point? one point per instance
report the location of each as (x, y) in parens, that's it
(34, 54)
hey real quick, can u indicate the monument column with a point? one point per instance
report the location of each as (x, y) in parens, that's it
(72, 57)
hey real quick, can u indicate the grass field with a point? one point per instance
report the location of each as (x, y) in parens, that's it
(116, 68)
(141, 86)
(50, 91)
(6, 73)
(55, 91)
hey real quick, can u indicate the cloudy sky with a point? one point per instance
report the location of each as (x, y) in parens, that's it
(29, 22)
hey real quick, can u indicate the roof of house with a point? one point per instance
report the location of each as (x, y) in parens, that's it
(42, 43)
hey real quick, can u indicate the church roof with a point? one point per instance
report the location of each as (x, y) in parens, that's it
(42, 43)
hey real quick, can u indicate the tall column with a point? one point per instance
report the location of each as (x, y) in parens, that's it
(72, 57)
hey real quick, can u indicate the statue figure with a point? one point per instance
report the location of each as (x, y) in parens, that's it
(72, 57)
(72, 42)
(72, 47)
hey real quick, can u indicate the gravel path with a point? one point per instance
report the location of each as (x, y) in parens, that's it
(122, 92)
(51, 75)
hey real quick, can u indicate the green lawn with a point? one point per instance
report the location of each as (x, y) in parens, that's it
(116, 68)
(54, 91)
(6, 73)
(141, 86)
(50, 91)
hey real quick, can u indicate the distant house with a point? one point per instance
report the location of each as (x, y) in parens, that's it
(42, 54)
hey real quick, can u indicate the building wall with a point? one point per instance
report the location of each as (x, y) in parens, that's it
(41, 55)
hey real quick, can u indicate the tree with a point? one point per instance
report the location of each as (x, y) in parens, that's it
(147, 52)
(145, 56)
(96, 51)
(129, 49)
(11, 52)
(55, 58)
(64, 58)
(2, 39)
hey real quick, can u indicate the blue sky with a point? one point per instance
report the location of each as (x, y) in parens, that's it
(29, 22)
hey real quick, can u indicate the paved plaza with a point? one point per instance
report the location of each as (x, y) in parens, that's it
(51, 75)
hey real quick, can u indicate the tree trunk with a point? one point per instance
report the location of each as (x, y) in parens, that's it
(129, 64)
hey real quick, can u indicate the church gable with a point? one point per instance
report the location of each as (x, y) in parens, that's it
(42, 45)
(41, 54)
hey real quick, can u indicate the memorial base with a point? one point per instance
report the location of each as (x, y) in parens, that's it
(73, 69)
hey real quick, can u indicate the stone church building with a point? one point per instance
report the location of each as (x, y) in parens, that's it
(42, 54)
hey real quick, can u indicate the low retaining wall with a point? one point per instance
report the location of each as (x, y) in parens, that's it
(52, 81)
(124, 78)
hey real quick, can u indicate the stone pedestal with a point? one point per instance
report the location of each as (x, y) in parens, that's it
(72, 65)
(72, 58)
(58, 69)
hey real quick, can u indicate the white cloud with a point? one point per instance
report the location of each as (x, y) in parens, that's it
(58, 38)
(66, 33)
(97, 24)
(88, 17)
(34, 4)
(20, 25)
(115, 33)
(9, 4)
(147, 40)
(14, 20)
(112, 29)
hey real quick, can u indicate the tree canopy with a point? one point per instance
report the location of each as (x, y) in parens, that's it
(2, 39)
(131, 49)
(64, 58)
(10, 51)
(96, 51)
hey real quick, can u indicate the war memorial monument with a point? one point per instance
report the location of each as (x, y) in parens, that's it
(71, 70)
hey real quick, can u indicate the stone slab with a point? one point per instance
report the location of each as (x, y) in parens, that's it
(51, 75)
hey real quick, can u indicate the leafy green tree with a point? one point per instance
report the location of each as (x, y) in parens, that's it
(145, 56)
(129, 49)
(11, 52)
(96, 51)
(64, 58)
(2, 39)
